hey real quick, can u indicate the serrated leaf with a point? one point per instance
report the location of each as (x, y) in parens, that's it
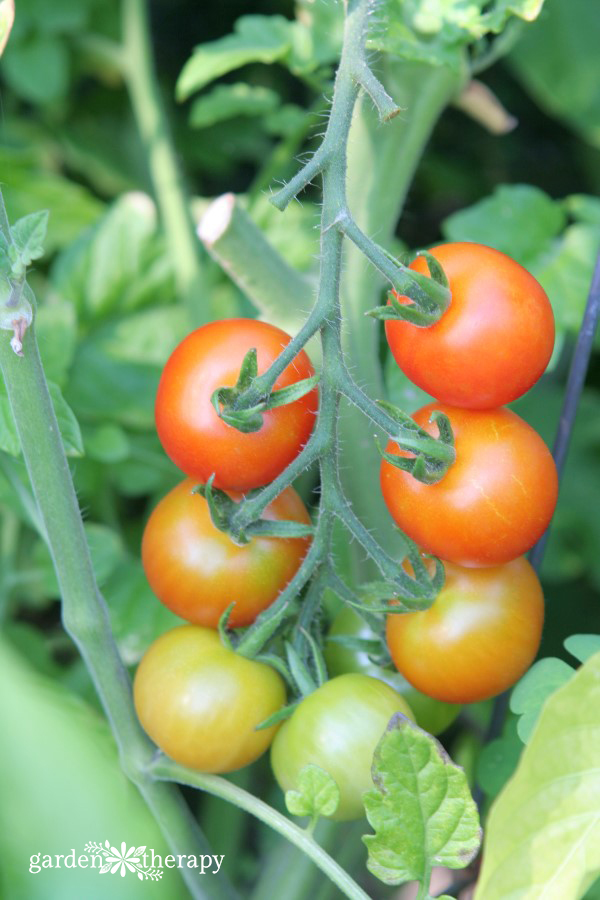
(543, 831)
(255, 39)
(317, 794)
(226, 101)
(422, 811)
(583, 646)
(28, 235)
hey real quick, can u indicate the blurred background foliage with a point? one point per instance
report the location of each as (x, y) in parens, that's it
(242, 110)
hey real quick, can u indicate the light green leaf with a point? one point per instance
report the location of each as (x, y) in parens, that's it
(529, 695)
(107, 443)
(517, 219)
(67, 422)
(62, 785)
(582, 646)
(255, 39)
(228, 100)
(317, 794)
(28, 235)
(7, 17)
(543, 832)
(547, 48)
(422, 811)
(120, 264)
(56, 329)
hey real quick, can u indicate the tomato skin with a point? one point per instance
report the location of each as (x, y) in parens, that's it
(494, 502)
(337, 728)
(200, 702)
(430, 714)
(194, 436)
(493, 342)
(479, 637)
(197, 571)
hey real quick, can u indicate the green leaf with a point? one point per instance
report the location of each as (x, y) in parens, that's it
(37, 68)
(529, 695)
(499, 759)
(317, 794)
(121, 263)
(582, 646)
(547, 48)
(422, 811)
(7, 17)
(28, 235)
(29, 183)
(56, 329)
(255, 39)
(107, 443)
(543, 831)
(226, 101)
(106, 549)
(517, 219)
(67, 422)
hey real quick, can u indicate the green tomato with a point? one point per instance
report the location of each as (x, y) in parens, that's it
(337, 728)
(431, 715)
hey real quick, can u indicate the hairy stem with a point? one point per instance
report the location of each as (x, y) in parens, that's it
(84, 612)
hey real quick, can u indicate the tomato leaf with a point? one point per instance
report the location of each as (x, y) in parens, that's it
(582, 646)
(551, 802)
(318, 794)
(422, 811)
(228, 100)
(529, 695)
(28, 235)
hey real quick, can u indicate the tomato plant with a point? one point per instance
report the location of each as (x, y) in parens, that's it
(197, 570)
(337, 728)
(430, 714)
(201, 702)
(494, 502)
(194, 436)
(492, 343)
(481, 634)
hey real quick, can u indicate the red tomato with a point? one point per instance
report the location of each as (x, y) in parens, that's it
(194, 436)
(494, 502)
(197, 571)
(494, 341)
(201, 702)
(481, 634)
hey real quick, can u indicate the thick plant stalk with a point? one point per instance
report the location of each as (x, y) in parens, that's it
(152, 122)
(84, 612)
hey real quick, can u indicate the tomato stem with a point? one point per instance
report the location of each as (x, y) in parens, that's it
(164, 769)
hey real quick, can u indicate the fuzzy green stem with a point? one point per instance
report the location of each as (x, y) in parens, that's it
(149, 112)
(164, 768)
(85, 616)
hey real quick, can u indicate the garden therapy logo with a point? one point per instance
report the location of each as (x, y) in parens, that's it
(132, 860)
(140, 861)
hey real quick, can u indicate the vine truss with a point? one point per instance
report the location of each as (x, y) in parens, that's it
(428, 458)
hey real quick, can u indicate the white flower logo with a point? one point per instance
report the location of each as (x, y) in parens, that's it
(124, 861)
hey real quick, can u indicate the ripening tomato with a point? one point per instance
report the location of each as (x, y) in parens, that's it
(479, 637)
(200, 702)
(494, 502)
(197, 570)
(194, 436)
(430, 714)
(337, 728)
(492, 343)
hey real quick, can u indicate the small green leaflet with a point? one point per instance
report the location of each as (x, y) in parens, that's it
(28, 236)
(317, 794)
(422, 810)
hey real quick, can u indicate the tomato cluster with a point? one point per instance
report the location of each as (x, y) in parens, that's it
(197, 699)
(497, 499)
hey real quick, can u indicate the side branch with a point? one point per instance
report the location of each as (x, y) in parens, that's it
(364, 77)
(301, 179)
